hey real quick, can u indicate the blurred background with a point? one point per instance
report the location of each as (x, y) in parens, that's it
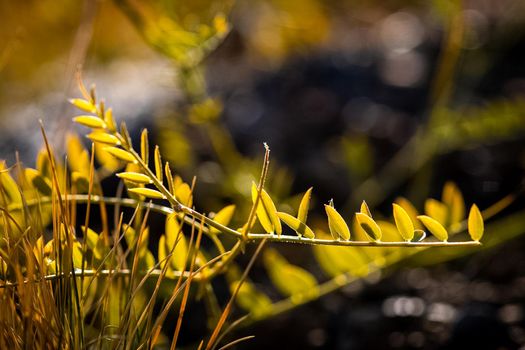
(361, 100)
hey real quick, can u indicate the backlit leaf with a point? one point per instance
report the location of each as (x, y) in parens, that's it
(403, 222)
(434, 227)
(144, 146)
(110, 121)
(77, 155)
(365, 210)
(120, 154)
(436, 210)
(9, 186)
(147, 192)
(338, 227)
(251, 299)
(84, 105)
(369, 225)
(411, 211)
(339, 260)
(102, 137)
(266, 211)
(90, 121)
(183, 194)
(42, 184)
(289, 279)
(223, 217)
(475, 223)
(158, 164)
(295, 224)
(135, 177)
(453, 199)
(174, 235)
(304, 206)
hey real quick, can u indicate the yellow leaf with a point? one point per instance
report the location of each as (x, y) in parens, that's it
(120, 154)
(434, 227)
(142, 243)
(336, 223)
(223, 217)
(135, 177)
(84, 105)
(130, 235)
(389, 232)
(105, 159)
(169, 177)
(267, 212)
(42, 184)
(144, 146)
(289, 279)
(411, 211)
(147, 192)
(251, 299)
(369, 225)
(158, 164)
(304, 206)
(174, 236)
(475, 223)
(102, 137)
(162, 251)
(339, 260)
(436, 210)
(403, 222)
(9, 186)
(295, 224)
(453, 199)
(110, 122)
(90, 121)
(365, 210)
(77, 155)
(183, 194)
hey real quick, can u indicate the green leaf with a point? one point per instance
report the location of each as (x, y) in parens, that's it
(134, 177)
(266, 212)
(295, 224)
(158, 164)
(120, 154)
(304, 206)
(90, 121)
(403, 222)
(84, 105)
(102, 137)
(223, 217)
(336, 223)
(144, 146)
(475, 223)
(147, 192)
(434, 227)
(369, 226)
